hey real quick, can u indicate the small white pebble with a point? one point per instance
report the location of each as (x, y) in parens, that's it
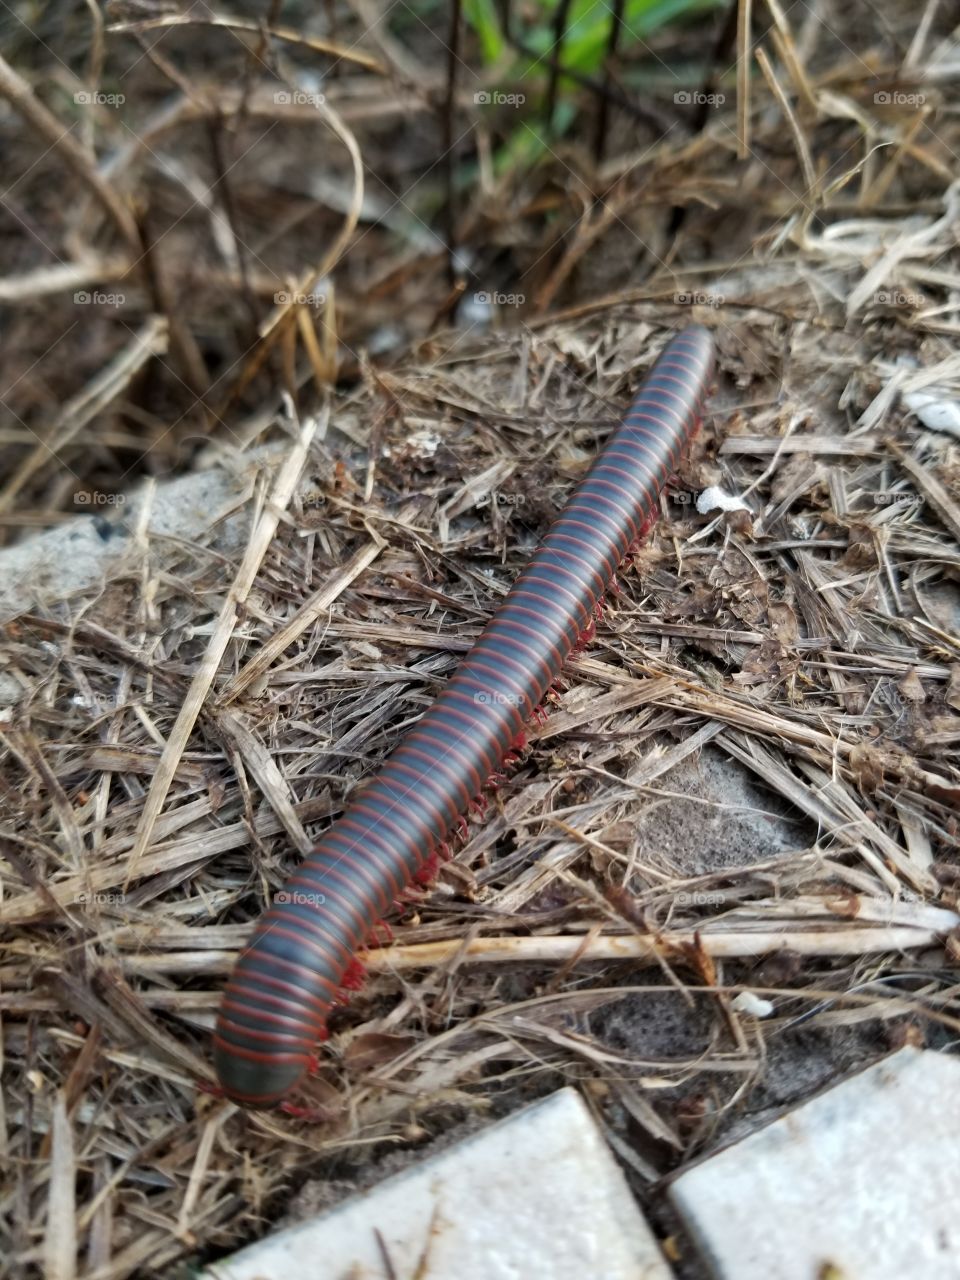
(476, 309)
(714, 498)
(368, 650)
(935, 408)
(747, 1002)
(424, 444)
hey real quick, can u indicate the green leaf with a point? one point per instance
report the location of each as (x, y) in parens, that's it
(482, 16)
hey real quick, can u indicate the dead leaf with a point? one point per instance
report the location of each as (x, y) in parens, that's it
(911, 688)
(861, 548)
(783, 622)
(844, 903)
(867, 765)
(372, 1049)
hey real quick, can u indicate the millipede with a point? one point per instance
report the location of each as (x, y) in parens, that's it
(303, 952)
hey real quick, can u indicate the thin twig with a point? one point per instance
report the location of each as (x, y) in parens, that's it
(21, 97)
(260, 538)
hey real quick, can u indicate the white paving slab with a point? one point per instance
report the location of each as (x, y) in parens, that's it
(865, 1177)
(91, 547)
(537, 1196)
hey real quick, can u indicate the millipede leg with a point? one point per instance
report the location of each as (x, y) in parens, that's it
(585, 637)
(314, 1115)
(382, 927)
(353, 977)
(428, 872)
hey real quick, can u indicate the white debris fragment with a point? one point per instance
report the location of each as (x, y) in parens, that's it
(386, 337)
(747, 1002)
(424, 444)
(476, 310)
(715, 499)
(936, 408)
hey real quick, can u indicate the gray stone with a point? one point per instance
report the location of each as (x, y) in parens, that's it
(80, 553)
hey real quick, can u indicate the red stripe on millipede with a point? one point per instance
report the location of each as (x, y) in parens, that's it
(382, 788)
(500, 633)
(291, 994)
(368, 835)
(329, 846)
(497, 681)
(532, 579)
(517, 606)
(438, 766)
(586, 499)
(294, 1022)
(526, 593)
(251, 973)
(568, 537)
(449, 695)
(445, 733)
(519, 667)
(333, 871)
(397, 796)
(288, 1053)
(296, 929)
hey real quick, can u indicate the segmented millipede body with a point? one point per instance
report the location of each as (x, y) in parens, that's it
(275, 1006)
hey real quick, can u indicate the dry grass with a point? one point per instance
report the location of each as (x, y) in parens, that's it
(176, 736)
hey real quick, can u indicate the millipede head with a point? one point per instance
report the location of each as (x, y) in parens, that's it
(246, 1081)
